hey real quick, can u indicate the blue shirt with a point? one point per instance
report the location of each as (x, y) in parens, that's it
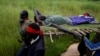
(81, 19)
(93, 47)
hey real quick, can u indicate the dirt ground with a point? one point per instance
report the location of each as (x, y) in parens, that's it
(71, 51)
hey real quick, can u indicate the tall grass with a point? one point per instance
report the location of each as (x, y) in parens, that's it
(9, 15)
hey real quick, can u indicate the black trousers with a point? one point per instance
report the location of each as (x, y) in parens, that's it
(82, 49)
(36, 49)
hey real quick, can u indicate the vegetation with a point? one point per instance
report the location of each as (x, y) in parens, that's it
(9, 15)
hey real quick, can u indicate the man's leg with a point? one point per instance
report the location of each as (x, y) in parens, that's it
(82, 47)
(38, 53)
(23, 51)
(37, 49)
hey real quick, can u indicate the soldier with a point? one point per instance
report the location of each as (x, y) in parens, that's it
(95, 47)
(32, 37)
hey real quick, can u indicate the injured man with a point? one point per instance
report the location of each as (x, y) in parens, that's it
(57, 20)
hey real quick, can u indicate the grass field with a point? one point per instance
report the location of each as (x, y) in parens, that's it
(9, 15)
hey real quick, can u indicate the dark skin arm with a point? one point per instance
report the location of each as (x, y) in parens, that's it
(37, 15)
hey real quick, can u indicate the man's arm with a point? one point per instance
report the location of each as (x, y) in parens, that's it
(90, 45)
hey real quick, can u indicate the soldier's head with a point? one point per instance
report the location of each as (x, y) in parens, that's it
(24, 14)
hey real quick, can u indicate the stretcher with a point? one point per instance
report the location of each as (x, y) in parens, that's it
(65, 28)
(93, 27)
(87, 28)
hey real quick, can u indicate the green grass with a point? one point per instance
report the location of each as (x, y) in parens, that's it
(58, 46)
(9, 15)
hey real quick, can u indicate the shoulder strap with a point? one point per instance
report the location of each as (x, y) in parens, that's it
(34, 40)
